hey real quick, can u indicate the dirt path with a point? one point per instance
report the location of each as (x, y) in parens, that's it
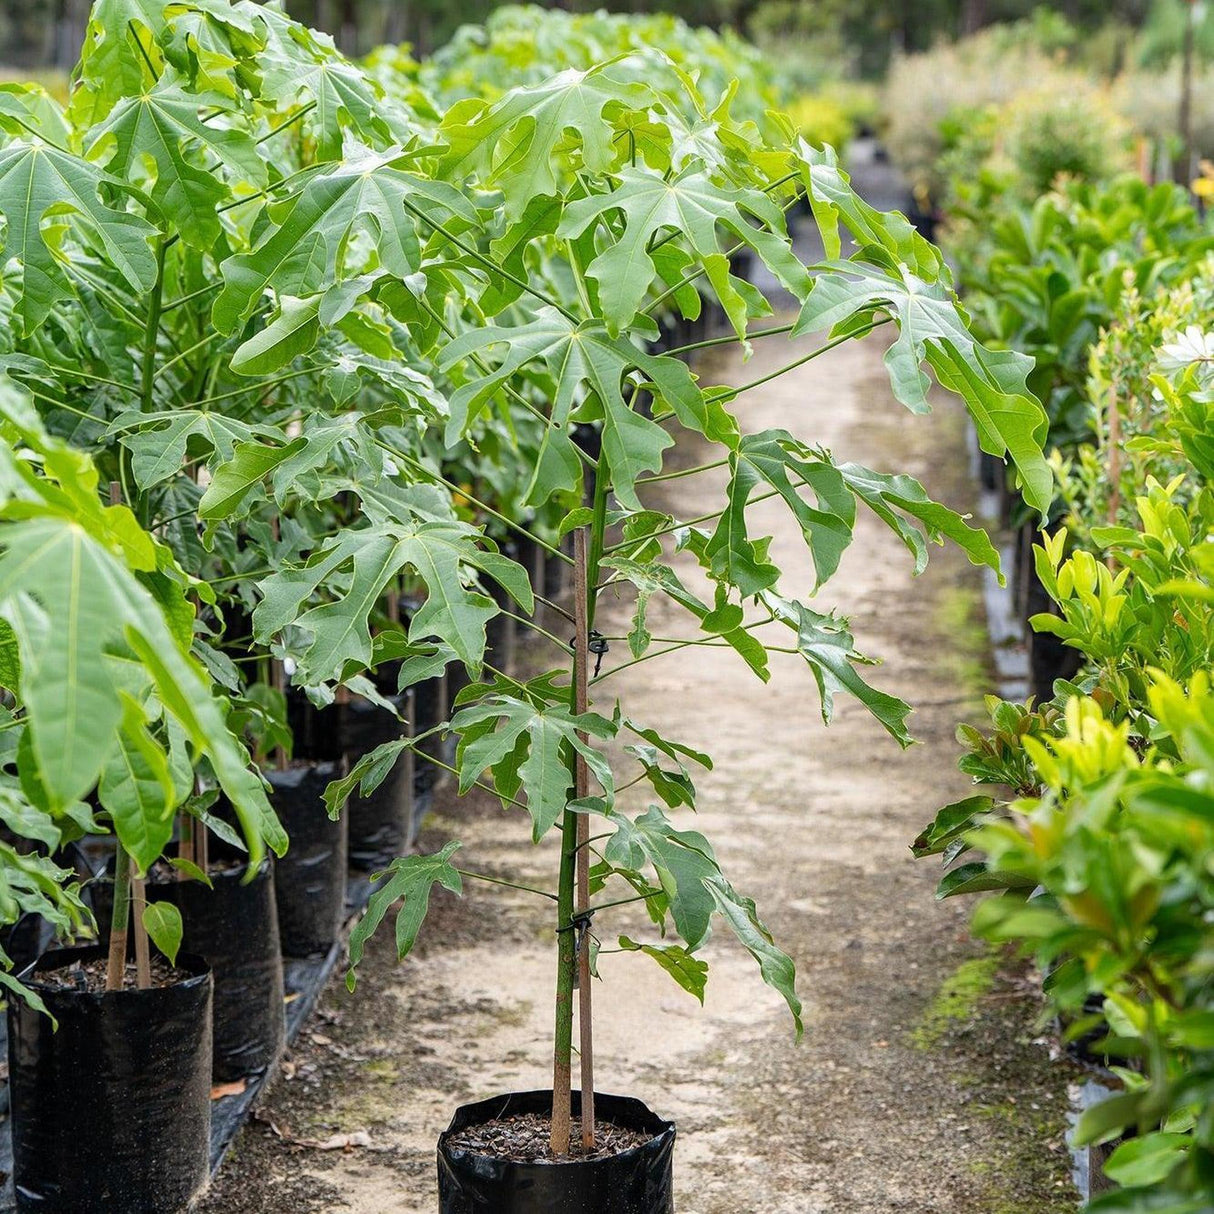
(922, 1084)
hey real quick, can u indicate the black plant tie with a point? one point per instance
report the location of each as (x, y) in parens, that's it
(580, 924)
(597, 644)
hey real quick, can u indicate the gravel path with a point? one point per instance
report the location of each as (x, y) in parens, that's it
(923, 1083)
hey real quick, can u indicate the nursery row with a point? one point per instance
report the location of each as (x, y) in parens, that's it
(304, 364)
(1101, 858)
(1011, 106)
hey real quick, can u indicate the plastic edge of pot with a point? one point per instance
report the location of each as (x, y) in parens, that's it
(627, 1111)
(59, 958)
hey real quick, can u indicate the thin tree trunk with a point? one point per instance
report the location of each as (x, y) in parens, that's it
(566, 926)
(1113, 438)
(581, 789)
(120, 917)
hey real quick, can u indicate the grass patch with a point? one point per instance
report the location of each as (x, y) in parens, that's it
(956, 1000)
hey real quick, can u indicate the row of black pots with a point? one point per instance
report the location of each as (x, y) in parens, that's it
(1048, 658)
(112, 1112)
(232, 924)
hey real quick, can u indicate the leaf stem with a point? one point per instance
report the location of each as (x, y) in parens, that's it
(816, 352)
(674, 476)
(691, 522)
(475, 783)
(198, 345)
(38, 134)
(442, 480)
(185, 299)
(657, 653)
(730, 339)
(510, 389)
(286, 122)
(257, 386)
(653, 893)
(527, 889)
(688, 279)
(539, 598)
(487, 262)
(522, 619)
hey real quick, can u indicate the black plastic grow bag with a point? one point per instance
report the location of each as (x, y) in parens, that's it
(233, 926)
(379, 825)
(113, 1111)
(639, 1181)
(310, 880)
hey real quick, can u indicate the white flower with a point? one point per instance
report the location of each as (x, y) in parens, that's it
(1191, 346)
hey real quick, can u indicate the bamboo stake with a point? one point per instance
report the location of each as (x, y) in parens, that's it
(278, 677)
(278, 680)
(582, 789)
(408, 729)
(186, 849)
(143, 960)
(567, 894)
(120, 913)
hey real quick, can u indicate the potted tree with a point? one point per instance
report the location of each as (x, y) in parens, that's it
(113, 1108)
(327, 292)
(636, 226)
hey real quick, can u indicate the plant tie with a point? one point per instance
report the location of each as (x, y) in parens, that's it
(579, 922)
(598, 645)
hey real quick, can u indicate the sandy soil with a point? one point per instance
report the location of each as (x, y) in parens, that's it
(923, 1083)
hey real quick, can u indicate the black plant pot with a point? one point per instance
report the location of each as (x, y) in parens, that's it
(379, 825)
(113, 1111)
(310, 880)
(233, 926)
(1049, 658)
(428, 700)
(638, 1181)
(316, 731)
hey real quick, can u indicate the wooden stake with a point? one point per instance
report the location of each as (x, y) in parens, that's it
(581, 674)
(143, 960)
(120, 917)
(185, 844)
(568, 899)
(120, 913)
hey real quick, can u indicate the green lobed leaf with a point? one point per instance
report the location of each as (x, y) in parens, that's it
(931, 328)
(408, 880)
(37, 182)
(689, 972)
(191, 157)
(528, 749)
(695, 208)
(516, 141)
(827, 646)
(775, 965)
